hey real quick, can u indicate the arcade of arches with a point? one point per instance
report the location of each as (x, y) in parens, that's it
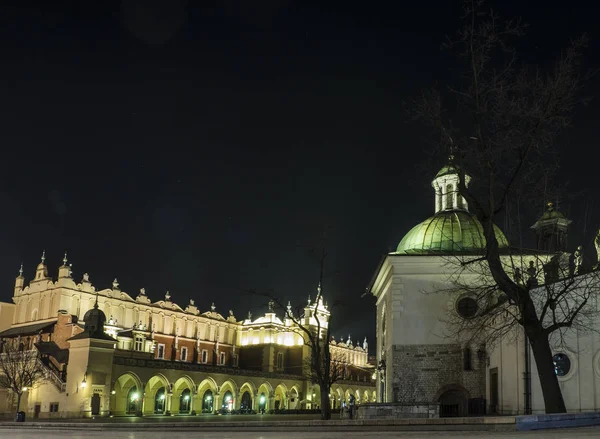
(163, 394)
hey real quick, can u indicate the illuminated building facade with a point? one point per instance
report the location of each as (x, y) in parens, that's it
(158, 358)
(422, 362)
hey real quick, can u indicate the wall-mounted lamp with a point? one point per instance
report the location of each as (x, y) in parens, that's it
(84, 381)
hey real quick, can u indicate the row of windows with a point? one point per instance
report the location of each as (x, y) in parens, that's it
(183, 356)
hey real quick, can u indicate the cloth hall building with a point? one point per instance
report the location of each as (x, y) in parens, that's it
(108, 353)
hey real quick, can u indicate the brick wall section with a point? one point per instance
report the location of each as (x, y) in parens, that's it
(420, 372)
(64, 329)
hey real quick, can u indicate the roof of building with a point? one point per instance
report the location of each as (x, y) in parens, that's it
(33, 329)
(52, 349)
(451, 231)
(446, 170)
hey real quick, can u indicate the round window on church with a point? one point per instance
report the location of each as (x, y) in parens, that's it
(562, 364)
(467, 307)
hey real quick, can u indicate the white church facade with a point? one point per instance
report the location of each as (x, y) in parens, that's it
(421, 360)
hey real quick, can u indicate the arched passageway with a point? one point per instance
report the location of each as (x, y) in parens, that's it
(208, 401)
(126, 395)
(160, 398)
(156, 394)
(453, 403)
(262, 403)
(227, 405)
(246, 402)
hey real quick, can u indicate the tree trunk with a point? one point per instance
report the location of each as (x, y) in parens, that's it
(553, 398)
(325, 409)
(18, 402)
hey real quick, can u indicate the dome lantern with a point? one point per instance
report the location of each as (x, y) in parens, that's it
(445, 185)
(453, 229)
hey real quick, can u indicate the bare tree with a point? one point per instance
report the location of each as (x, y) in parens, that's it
(20, 369)
(315, 328)
(501, 120)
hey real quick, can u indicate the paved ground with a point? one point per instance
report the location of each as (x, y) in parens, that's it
(199, 418)
(592, 432)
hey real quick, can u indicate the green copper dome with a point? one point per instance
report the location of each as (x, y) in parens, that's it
(450, 231)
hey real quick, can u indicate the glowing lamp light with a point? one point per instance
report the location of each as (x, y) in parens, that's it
(135, 396)
(84, 381)
(162, 397)
(208, 398)
(186, 397)
(262, 399)
(227, 398)
(113, 392)
(24, 389)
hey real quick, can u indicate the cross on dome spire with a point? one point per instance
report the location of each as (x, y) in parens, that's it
(65, 260)
(43, 256)
(21, 270)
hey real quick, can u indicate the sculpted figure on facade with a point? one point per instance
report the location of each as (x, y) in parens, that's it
(578, 259)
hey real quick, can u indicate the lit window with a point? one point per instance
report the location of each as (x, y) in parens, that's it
(139, 344)
(184, 354)
(53, 407)
(161, 351)
(205, 356)
(222, 359)
(562, 364)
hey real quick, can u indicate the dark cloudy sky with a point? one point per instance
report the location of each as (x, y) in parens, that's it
(204, 149)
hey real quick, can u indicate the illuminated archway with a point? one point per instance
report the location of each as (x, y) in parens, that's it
(208, 401)
(280, 397)
(160, 398)
(126, 387)
(229, 405)
(156, 393)
(183, 392)
(294, 398)
(207, 391)
(315, 400)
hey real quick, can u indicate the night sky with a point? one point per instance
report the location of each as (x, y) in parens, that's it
(205, 149)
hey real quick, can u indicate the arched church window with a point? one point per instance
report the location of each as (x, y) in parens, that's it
(449, 195)
(467, 307)
(562, 364)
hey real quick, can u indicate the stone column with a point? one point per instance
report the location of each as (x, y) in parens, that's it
(168, 403)
(192, 397)
(217, 403)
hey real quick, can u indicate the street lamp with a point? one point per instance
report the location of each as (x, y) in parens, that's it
(84, 381)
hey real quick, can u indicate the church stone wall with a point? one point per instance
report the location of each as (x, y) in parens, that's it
(421, 373)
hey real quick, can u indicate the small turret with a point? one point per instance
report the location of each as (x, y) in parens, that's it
(19, 281)
(445, 185)
(551, 230)
(41, 272)
(64, 271)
